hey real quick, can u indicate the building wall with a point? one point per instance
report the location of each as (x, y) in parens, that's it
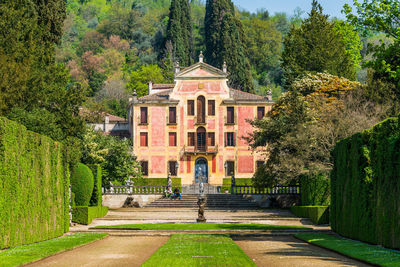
(158, 152)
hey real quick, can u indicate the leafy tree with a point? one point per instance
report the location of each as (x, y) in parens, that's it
(140, 78)
(315, 47)
(179, 31)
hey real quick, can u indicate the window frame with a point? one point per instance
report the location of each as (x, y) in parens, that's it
(211, 107)
(190, 107)
(230, 119)
(170, 121)
(230, 139)
(147, 167)
(144, 119)
(172, 171)
(193, 144)
(175, 139)
(227, 173)
(263, 112)
(147, 139)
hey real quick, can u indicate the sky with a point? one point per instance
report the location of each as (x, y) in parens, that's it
(331, 7)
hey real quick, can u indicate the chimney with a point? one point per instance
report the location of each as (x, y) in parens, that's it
(201, 57)
(150, 87)
(224, 67)
(177, 68)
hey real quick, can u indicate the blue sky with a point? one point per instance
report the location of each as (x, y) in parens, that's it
(331, 7)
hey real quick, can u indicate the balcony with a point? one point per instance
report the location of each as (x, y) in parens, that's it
(191, 150)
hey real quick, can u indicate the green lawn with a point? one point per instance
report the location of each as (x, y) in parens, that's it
(199, 250)
(198, 226)
(354, 249)
(28, 253)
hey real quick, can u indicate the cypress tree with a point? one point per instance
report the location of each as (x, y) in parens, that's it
(315, 47)
(226, 41)
(179, 31)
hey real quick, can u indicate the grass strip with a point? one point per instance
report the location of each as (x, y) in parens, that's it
(198, 226)
(199, 250)
(354, 249)
(24, 254)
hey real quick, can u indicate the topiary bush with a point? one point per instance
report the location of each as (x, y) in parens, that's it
(96, 198)
(82, 184)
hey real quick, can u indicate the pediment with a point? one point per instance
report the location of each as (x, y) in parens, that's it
(201, 70)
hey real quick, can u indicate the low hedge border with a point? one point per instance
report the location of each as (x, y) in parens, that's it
(226, 183)
(317, 214)
(176, 182)
(85, 215)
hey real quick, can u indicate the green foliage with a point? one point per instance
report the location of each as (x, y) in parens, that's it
(34, 201)
(96, 198)
(82, 184)
(317, 214)
(179, 32)
(176, 182)
(365, 187)
(226, 183)
(22, 255)
(315, 190)
(85, 215)
(316, 47)
(140, 78)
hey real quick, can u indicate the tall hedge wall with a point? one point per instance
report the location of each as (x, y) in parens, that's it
(315, 190)
(96, 198)
(33, 186)
(365, 185)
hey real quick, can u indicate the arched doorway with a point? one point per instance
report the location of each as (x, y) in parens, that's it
(201, 109)
(201, 170)
(201, 141)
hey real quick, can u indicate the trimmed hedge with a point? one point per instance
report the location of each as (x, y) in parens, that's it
(317, 214)
(96, 199)
(82, 184)
(226, 183)
(85, 215)
(176, 182)
(34, 185)
(315, 190)
(365, 185)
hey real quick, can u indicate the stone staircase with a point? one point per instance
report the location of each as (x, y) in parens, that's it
(214, 201)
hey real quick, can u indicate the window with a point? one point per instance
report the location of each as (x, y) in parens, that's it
(230, 168)
(190, 139)
(172, 166)
(211, 139)
(143, 115)
(190, 107)
(259, 163)
(260, 112)
(143, 139)
(172, 115)
(230, 139)
(230, 115)
(172, 139)
(145, 167)
(211, 107)
(201, 109)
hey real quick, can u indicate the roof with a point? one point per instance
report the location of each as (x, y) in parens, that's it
(98, 116)
(159, 96)
(114, 118)
(163, 86)
(244, 96)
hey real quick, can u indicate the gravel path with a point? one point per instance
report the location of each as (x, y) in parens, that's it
(111, 251)
(282, 251)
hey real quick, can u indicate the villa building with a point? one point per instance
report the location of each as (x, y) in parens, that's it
(195, 127)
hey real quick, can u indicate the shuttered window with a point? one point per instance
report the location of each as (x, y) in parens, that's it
(230, 139)
(190, 107)
(172, 115)
(172, 139)
(143, 139)
(172, 167)
(145, 167)
(230, 168)
(211, 107)
(190, 139)
(260, 112)
(230, 115)
(143, 115)
(211, 139)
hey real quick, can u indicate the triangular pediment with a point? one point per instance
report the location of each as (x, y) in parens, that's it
(201, 70)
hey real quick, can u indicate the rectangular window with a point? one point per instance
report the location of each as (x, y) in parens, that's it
(190, 139)
(172, 167)
(143, 139)
(172, 139)
(172, 115)
(143, 115)
(230, 168)
(211, 107)
(211, 139)
(145, 167)
(260, 112)
(230, 115)
(190, 107)
(230, 139)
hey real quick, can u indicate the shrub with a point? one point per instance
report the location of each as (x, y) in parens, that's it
(96, 198)
(85, 215)
(315, 190)
(365, 185)
(226, 183)
(82, 184)
(34, 185)
(317, 214)
(176, 182)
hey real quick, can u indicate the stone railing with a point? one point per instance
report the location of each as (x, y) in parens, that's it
(277, 190)
(135, 190)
